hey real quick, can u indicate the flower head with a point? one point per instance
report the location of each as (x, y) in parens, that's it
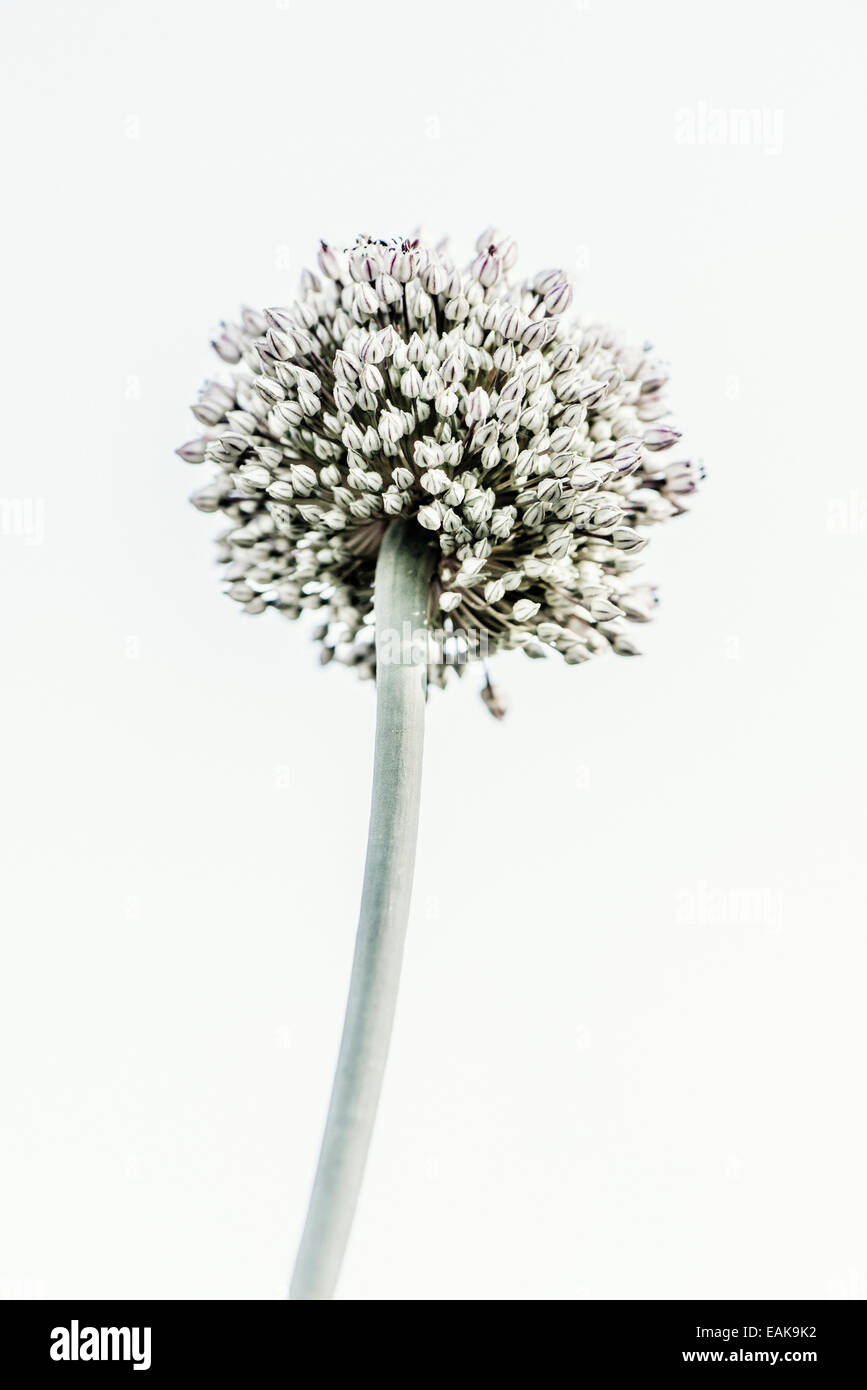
(530, 449)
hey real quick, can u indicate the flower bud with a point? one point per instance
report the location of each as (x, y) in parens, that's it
(328, 262)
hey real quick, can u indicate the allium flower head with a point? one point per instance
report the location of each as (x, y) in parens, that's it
(527, 444)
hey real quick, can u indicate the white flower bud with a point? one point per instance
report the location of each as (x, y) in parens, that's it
(508, 252)
(511, 323)
(558, 297)
(402, 265)
(627, 539)
(388, 289)
(364, 262)
(193, 452)
(255, 474)
(486, 268)
(416, 350)
(434, 277)
(352, 435)
(452, 369)
(502, 521)
(538, 333)
(449, 601)
(392, 502)
(478, 405)
(303, 478)
(390, 426)
(288, 414)
(329, 263)
(365, 302)
(227, 347)
(347, 366)
(494, 590)
(457, 308)
(435, 481)
(207, 499)
(490, 236)
(411, 383)
(372, 378)
(524, 610)
(505, 358)
(430, 517)
(661, 437)
(427, 453)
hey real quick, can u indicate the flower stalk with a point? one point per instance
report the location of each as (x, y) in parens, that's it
(404, 569)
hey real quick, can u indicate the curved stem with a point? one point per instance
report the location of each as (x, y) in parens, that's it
(403, 574)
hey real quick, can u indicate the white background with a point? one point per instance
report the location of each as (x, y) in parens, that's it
(628, 1058)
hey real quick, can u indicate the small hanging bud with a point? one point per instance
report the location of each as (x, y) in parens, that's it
(495, 700)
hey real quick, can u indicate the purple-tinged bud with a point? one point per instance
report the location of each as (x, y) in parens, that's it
(512, 323)
(559, 297)
(371, 378)
(546, 280)
(592, 393)
(193, 452)
(280, 319)
(364, 262)
(403, 265)
(490, 236)
(486, 268)
(457, 308)
(329, 263)
(388, 288)
(207, 413)
(478, 406)
(683, 478)
(252, 321)
(538, 334)
(505, 357)
(281, 345)
(660, 437)
(226, 347)
(507, 250)
(434, 277)
(347, 366)
(270, 390)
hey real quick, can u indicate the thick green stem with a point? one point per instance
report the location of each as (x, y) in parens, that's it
(403, 575)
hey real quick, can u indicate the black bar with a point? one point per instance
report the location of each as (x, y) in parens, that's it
(235, 1341)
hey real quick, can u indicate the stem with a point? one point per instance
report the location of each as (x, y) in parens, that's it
(403, 574)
